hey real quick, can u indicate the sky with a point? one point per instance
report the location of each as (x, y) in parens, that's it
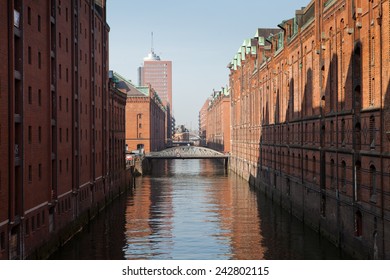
(200, 38)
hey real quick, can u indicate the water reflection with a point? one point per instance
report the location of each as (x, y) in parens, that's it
(192, 209)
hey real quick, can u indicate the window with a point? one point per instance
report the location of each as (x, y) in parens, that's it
(39, 134)
(60, 166)
(39, 60)
(29, 95)
(60, 102)
(29, 15)
(29, 55)
(59, 39)
(40, 171)
(60, 132)
(39, 23)
(39, 97)
(29, 134)
(29, 173)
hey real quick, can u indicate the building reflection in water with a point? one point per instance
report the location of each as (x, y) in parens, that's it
(190, 210)
(193, 209)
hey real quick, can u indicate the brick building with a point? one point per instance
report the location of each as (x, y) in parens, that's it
(310, 119)
(145, 116)
(5, 33)
(55, 122)
(203, 122)
(217, 131)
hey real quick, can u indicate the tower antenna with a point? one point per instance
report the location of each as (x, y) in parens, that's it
(152, 44)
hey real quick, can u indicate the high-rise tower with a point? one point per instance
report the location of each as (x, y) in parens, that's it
(157, 73)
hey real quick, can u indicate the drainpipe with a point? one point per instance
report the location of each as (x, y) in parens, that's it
(379, 20)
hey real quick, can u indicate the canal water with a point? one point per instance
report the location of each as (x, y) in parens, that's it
(193, 209)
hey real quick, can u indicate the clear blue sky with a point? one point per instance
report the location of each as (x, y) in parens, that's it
(200, 38)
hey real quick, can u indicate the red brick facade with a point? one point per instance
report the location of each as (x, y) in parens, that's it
(4, 126)
(310, 119)
(203, 122)
(218, 121)
(54, 132)
(145, 123)
(145, 116)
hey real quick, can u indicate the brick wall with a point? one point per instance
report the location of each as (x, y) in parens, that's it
(320, 139)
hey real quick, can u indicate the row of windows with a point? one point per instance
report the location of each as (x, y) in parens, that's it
(29, 19)
(35, 222)
(98, 159)
(60, 135)
(311, 136)
(30, 96)
(66, 103)
(290, 164)
(30, 57)
(30, 134)
(31, 171)
(64, 206)
(60, 73)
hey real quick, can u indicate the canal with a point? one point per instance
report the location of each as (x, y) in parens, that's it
(193, 209)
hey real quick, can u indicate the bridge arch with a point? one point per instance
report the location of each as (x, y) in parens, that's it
(187, 152)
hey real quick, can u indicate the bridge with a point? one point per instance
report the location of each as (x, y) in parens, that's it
(187, 152)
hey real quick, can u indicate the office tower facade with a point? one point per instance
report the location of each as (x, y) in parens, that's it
(158, 74)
